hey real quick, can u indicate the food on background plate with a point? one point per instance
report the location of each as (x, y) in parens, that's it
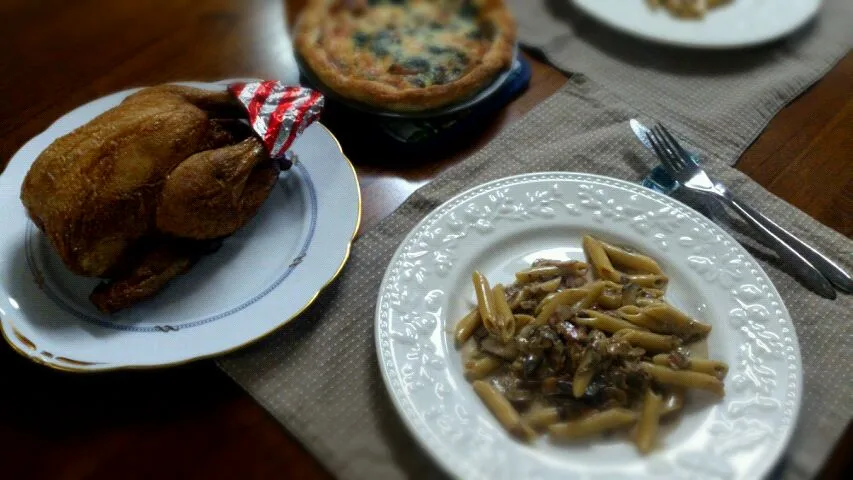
(141, 192)
(687, 8)
(576, 349)
(406, 55)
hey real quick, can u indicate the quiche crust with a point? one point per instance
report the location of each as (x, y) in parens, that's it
(498, 57)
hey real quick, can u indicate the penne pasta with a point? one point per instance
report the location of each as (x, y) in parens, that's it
(551, 302)
(647, 280)
(503, 411)
(599, 260)
(537, 274)
(648, 423)
(660, 317)
(593, 424)
(577, 269)
(675, 322)
(602, 321)
(637, 316)
(480, 367)
(663, 359)
(505, 321)
(608, 301)
(521, 320)
(715, 368)
(594, 290)
(549, 286)
(572, 268)
(651, 342)
(611, 296)
(648, 296)
(466, 327)
(684, 378)
(542, 417)
(486, 304)
(545, 301)
(647, 302)
(634, 261)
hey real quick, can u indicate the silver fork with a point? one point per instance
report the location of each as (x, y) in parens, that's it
(813, 267)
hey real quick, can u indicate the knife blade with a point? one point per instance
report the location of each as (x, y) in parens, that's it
(641, 131)
(657, 179)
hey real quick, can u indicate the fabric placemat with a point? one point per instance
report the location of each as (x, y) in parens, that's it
(319, 376)
(719, 98)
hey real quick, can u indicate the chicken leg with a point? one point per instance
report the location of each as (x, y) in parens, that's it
(145, 270)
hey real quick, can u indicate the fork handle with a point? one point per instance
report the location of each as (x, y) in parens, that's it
(805, 270)
(840, 278)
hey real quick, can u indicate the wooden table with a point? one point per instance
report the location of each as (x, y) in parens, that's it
(193, 421)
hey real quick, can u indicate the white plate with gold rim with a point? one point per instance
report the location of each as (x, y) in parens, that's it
(264, 275)
(740, 23)
(502, 226)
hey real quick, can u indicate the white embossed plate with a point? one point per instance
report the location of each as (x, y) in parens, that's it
(741, 23)
(499, 228)
(264, 275)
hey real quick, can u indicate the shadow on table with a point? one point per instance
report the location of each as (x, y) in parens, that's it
(677, 60)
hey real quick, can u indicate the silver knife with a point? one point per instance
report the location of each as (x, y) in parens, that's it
(659, 180)
(641, 131)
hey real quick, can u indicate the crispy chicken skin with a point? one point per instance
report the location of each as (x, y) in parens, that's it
(168, 160)
(213, 193)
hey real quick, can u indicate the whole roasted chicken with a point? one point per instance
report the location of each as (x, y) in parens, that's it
(139, 193)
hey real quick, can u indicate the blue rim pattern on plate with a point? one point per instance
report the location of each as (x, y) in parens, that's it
(61, 303)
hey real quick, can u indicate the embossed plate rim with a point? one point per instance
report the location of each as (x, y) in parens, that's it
(787, 399)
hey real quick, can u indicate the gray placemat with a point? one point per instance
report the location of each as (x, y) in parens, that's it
(319, 377)
(719, 98)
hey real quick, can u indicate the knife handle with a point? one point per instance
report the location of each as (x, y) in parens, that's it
(832, 271)
(790, 257)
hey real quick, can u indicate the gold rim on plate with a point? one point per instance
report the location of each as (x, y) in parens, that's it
(76, 369)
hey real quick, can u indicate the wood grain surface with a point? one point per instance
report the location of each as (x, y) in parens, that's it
(193, 421)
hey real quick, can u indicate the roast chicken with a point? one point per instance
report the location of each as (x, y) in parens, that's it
(139, 193)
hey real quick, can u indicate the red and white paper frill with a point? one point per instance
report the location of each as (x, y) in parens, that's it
(278, 113)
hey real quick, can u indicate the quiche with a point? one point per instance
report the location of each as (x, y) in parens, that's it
(406, 55)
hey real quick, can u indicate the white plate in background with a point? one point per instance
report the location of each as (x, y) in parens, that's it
(741, 23)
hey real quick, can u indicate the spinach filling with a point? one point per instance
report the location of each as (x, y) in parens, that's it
(441, 64)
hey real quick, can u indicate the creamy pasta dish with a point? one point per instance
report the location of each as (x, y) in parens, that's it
(687, 8)
(572, 349)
